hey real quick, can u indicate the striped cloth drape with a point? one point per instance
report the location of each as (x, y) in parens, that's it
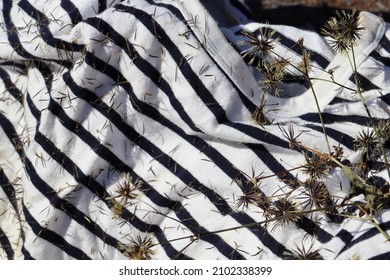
(154, 95)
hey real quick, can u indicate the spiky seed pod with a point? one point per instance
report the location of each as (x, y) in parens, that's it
(366, 142)
(251, 195)
(267, 206)
(302, 254)
(126, 191)
(286, 211)
(259, 46)
(259, 115)
(316, 166)
(315, 194)
(273, 76)
(289, 134)
(344, 30)
(247, 198)
(139, 248)
(117, 210)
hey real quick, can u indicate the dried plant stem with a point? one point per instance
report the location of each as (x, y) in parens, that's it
(347, 171)
(319, 114)
(256, 224)
(295, 214)
(371, 219)
(359, 92)
(305, 73)
(185, 248)
(333, 81)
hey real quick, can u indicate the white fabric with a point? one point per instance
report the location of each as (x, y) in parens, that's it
(157, 89)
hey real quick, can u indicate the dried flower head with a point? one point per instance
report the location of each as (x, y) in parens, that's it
(316, 166)
(251, 194)
(265, 203)
(286, 212)
(302, 253)
(305, 65)
(315, 194)
(126, 191)
(117, 210)
(139, 248)
(366, 142)
(259, 46)
(344, 30)
(273, 76)
(259, 115)
(289, 134)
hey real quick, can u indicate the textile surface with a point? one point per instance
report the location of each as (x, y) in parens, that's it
(155, 96)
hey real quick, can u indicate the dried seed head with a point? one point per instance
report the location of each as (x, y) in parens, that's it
(139, 248)
(117, 210)
(344, 30)
(247, 198)
(305, 65)
(267, 206)
(259, 115)
(338, 153)
(286, 212)
(273, 76)
(126, 191)
(251, 194)
(315, 194)
(259, 46)
(302, 253)
(366, 142)
(316, 166)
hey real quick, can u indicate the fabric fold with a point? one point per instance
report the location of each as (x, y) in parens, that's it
(130, 123)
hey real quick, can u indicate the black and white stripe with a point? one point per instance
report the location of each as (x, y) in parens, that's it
(132, 88)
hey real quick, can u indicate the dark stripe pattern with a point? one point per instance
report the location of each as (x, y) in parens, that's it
(135, 99)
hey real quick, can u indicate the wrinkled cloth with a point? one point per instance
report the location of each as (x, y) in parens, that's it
(97, 94)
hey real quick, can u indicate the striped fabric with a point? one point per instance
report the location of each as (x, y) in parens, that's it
(95, 95)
